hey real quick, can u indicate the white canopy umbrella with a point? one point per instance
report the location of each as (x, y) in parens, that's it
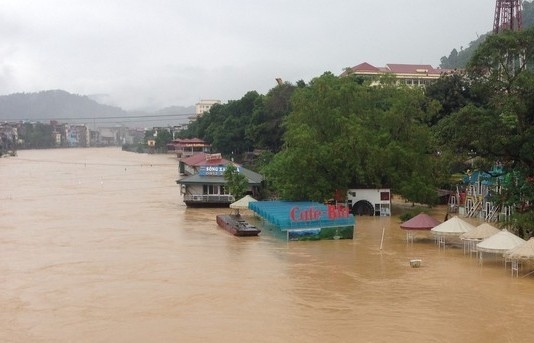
(478, 234)
(452, 227)
(524, 251)
(500, 243)
(242, 204)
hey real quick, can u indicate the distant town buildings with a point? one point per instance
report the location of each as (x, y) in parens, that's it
(21, 135)
(408, 74)
(186, 147)
(204, 106)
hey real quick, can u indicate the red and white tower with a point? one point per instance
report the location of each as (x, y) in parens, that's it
(507, 15)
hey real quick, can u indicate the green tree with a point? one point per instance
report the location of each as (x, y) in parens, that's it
(501, 127)
(225, 125)
(450, 93)
(343, 134)
(459, 59)
(37, 136)
(265, 128)
(162, 138)
(236, 182)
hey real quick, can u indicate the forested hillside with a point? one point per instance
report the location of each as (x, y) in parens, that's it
(336, 133)
(52, 104)
(66, 107)
(459, 59)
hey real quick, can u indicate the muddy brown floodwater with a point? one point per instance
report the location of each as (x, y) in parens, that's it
(97, 246)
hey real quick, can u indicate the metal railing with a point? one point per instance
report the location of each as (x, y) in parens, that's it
(209, 198)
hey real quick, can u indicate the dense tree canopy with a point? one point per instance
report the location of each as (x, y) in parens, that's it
(500, 127)
(37, 136)
(161, 137)
(253, 122)
(265, 128)
(343, 134)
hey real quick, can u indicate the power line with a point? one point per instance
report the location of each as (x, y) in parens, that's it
(110, 117)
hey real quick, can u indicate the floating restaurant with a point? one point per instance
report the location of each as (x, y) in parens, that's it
(306, 220)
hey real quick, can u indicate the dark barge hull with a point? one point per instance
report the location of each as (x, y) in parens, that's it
(236, 226)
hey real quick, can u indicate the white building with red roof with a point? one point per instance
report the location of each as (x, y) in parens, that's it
(408, 74)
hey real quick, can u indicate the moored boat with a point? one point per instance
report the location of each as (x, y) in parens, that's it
(236, 226)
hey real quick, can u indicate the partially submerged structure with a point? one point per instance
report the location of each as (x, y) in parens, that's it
(187, 147)
(421, 222)
(474, 198)
(204, 185)
(306, 220)
(371, 202)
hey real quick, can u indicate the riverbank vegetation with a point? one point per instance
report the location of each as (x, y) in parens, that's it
(335, 133)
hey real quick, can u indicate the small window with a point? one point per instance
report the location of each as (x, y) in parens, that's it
(384, 196)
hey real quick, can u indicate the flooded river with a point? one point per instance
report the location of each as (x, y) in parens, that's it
(97, 246)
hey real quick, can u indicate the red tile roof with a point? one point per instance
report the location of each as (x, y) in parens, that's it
(201, 159)
(411, 68)
(398, 68)
(365, 67)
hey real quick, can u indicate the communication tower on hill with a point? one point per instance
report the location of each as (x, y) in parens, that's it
(507, 15)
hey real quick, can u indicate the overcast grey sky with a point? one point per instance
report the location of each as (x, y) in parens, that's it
(157, 53)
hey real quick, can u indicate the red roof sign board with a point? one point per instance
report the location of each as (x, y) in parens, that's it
(422, 221)
(203, 159)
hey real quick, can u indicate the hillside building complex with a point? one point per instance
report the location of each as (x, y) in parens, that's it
(408, 74)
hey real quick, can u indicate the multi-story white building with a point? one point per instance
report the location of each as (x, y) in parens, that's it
(204, 106)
